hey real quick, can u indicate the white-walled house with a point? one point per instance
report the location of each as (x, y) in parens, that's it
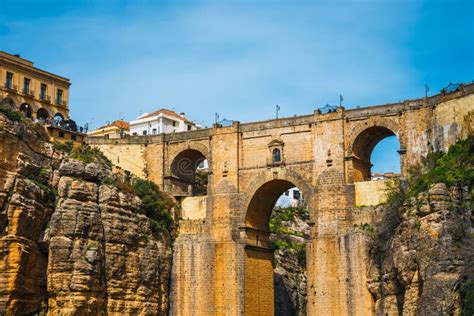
(161, 121)
(290, 198)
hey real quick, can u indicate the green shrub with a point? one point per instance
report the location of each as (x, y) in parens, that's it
(454, 167)
(44, 186)
(67, 146)
(12, 114)
(157, 205)
(88, 154)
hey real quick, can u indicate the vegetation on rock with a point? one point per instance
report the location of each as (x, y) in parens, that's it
(157, 205)
(12, 114)
(89, 154)
(453, 168)
(283, 227)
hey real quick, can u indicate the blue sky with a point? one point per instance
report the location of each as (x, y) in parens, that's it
(240, 58)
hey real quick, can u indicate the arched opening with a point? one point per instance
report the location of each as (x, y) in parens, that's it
(58, 118)
(25, 108)
(276, 228)
(69, 125)
(190, 172)
(8, 103)
(363, 150)
(42, 115)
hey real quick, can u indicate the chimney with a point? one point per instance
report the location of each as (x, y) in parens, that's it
(181, 114)
(17, 55)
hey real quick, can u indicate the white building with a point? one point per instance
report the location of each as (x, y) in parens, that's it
(290, 198)
(161, 121)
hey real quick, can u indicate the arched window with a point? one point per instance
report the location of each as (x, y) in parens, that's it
(25, 108)
(42, 114)
(58, 117)
(276, 155)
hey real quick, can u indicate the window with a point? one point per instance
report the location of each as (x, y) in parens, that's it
(135, 134)
(44, 88)
(9, 81)
(26, 86)
(276, 155)
(73, 137)
(154, 131)
(189, 127)
(287, 193)
(61, 134)
(174, 123)
(59, 97)
(144, 133)
(296, 194)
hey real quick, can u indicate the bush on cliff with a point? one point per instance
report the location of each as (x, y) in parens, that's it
(157, 205)
(89, 154)
(453, 168)
(12, 114)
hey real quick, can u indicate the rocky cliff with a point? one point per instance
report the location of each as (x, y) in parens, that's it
(71, 240)
(290, 230)
(422, 256)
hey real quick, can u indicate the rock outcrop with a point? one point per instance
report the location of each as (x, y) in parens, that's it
(70, 242)
(421, 266)
(289, 231)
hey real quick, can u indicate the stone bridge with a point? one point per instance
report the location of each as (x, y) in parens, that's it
(222, 258)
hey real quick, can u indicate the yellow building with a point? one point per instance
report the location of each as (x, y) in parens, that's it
(37, 93)
(116, 129)
(40, 95)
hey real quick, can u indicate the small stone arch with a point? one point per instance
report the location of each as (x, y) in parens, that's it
(362, 140)
(178, 149)
(182, 174)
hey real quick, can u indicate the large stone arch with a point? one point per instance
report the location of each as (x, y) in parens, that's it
(264, 177)
(259, 198)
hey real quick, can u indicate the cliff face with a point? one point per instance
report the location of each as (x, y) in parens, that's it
(289, 231)
(69, 242)
(422, 256)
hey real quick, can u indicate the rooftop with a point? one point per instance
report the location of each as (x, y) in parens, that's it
(166, 112)
(27, 65)
(118, 123)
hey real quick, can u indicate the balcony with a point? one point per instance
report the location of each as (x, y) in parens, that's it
(61, 102)
(45, 98)
(10, 87)
(29, 93)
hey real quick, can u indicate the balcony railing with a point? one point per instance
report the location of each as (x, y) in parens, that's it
(10, 86)
(61, 102)
(44, 97)
(29, 93)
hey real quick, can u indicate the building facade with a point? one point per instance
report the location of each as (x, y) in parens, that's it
(37, 93)
(161, 121)
(41, 96)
